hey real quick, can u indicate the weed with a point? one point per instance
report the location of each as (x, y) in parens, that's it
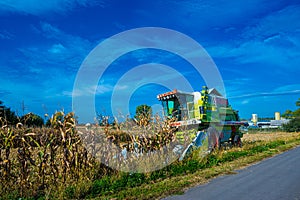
(54, 163)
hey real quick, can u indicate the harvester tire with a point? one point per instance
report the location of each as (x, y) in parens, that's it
(237, 141)
(213, 139)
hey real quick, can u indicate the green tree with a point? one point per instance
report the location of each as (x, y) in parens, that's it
(103, 119)
(31, 119)
(48, 123)
(7, 116)
(288, 114)
(143, 114)
(294, 123)
(296, 113)
(298, 102)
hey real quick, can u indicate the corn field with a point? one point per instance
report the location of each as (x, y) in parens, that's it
(132, 148)
(35, 162)
(34, 159)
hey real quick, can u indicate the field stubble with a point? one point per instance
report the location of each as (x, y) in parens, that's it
(269, 136)
(49, 163)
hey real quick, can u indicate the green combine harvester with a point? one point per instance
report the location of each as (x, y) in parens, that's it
(205, 116)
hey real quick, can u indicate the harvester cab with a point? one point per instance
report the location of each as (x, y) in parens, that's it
(178, 105)
(206, 114)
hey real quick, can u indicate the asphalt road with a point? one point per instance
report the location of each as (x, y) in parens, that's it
(276, 178)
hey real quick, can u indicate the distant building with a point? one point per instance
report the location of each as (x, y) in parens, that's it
(263, 124)
(278, 123)
(254, 119)
(277, 116)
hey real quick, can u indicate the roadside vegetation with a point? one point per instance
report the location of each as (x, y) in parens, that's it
(294, 116)
(38, 162)
(52, 163)
(195, 170)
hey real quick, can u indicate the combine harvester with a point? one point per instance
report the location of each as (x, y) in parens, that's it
(204, 117)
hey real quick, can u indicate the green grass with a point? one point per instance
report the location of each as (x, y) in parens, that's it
(174, 179)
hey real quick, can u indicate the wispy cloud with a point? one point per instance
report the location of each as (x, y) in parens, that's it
(37, 7)
(57, 49)
(62, 52)
(218, 14)
(275, 22)
(266, 42)
(76, 44)
(42, 71)
(255, 44)
(4, 93)
(236, 86)
(5, 35)
(264, 94)
(101, 89)
(244, 102)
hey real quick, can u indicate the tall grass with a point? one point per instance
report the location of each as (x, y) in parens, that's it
(35, 162)
(49, 162)
(67, 162)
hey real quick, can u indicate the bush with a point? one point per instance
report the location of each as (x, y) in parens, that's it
(293, 125)
(32, 120)
(7, 117)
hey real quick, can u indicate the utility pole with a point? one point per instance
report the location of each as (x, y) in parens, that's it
(23, 107)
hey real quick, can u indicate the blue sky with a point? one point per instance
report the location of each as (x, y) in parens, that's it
(255, 45)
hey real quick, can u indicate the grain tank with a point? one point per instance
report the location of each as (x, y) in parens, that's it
(205, 114)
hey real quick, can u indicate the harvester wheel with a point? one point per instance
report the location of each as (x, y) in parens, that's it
(213, 139)
(237, 141)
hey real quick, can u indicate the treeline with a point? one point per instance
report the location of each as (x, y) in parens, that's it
(9, 117)
(294, 116)
(142, 117)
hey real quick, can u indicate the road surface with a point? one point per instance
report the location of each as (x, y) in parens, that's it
(276, 178)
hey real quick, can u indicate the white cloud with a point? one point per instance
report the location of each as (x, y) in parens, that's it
(236, 90)
(46, 71)
(216, 14)
(57, 48)
(65, 40)
(37, 7)
(271, 50)
(266, 94)
(65, 54)
(292, 87)
(101, 89)
(5, 35)
(236, 86)
(87, 91)
(273, 40)
(245, 102)
(282, 21)
(121, 87)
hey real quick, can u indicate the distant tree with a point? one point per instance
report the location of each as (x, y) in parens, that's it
(294, 123)
(296, 113)
(288, 114)
(103, 119)
(7, 116)
(31, 119)
(48, 123)
(298, 102)
(143, 114)
(265, 119)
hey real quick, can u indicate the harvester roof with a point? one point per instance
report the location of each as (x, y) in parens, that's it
(172, 94)
(214, 91)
